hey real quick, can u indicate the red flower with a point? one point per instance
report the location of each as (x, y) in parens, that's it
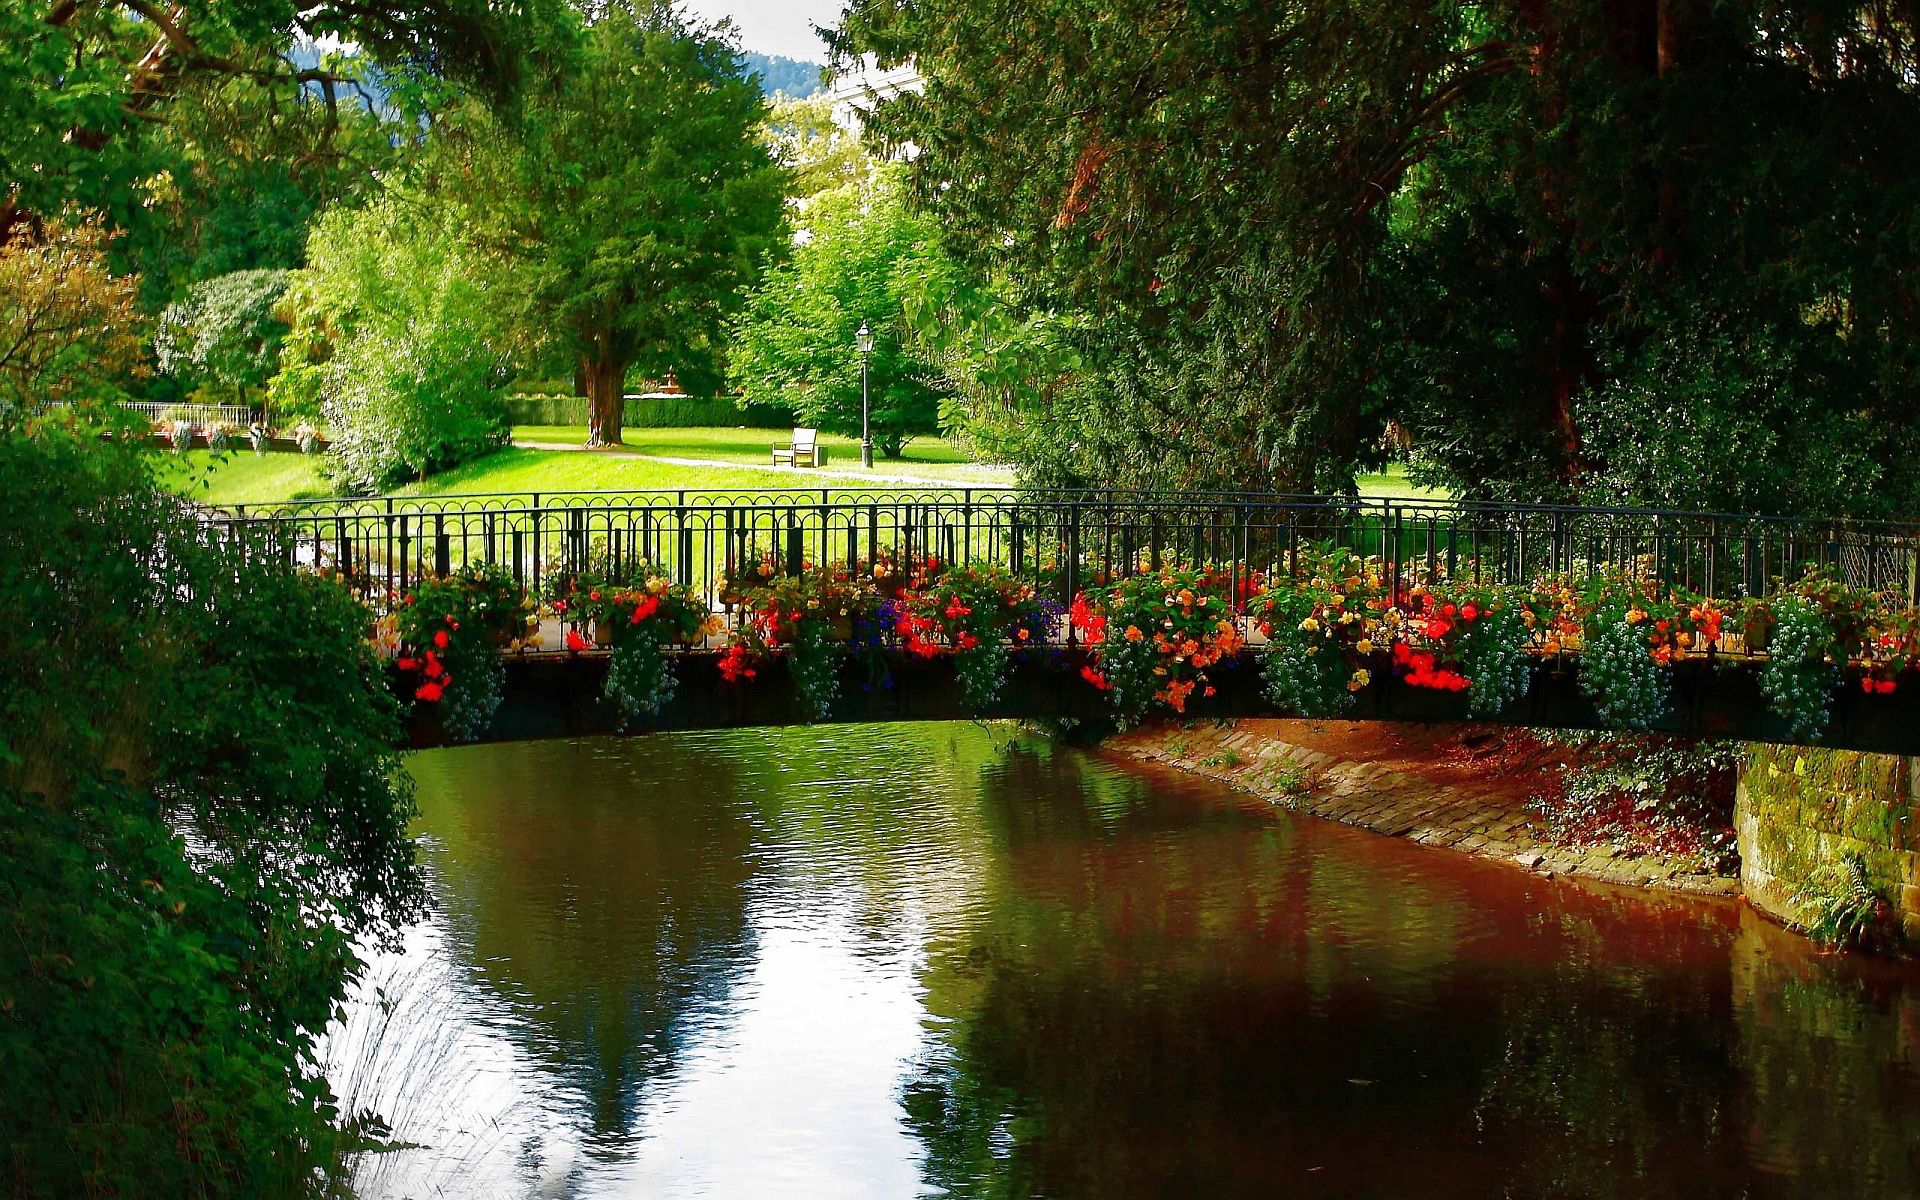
(407, 664)
(1095, 678)
(645, 609)
(1448, 610)
(440, 638)
(430, 692)
(1437, 629)
(433, 665)
(575, 641)
(1469, 613)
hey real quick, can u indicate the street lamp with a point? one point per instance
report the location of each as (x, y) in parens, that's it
(864, 341)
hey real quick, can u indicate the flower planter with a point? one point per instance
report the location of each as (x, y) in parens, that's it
(603, 633)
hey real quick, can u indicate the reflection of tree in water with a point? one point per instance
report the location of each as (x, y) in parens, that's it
(1151, 995)
(599, 890)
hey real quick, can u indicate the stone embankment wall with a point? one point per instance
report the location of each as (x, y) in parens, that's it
(1254, 757)
(1800, 811)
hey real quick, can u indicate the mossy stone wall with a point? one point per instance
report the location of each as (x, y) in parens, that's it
(1800, 809)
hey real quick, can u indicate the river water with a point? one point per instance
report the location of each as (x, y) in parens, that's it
(913, 960)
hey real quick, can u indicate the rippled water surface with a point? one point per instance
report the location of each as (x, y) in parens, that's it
(936, 960)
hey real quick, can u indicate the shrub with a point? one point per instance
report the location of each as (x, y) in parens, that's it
(1160, 634)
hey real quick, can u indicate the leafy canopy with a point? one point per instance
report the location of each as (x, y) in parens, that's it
(1558, 244)
(202, 812)
(226, 331)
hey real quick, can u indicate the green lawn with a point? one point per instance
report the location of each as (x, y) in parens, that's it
(242, 477)
(925, 458)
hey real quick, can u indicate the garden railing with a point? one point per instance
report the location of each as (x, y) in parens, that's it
(1064, 541)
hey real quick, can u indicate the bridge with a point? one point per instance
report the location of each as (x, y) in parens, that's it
(1062, 543)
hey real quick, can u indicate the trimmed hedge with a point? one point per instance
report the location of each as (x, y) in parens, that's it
(529, 409)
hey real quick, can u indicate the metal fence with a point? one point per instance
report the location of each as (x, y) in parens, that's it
(202, 415)
(1064, 541)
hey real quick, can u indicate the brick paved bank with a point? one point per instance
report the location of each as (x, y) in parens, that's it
(1436, 807)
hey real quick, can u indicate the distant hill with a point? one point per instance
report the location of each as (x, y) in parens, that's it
(788, 76)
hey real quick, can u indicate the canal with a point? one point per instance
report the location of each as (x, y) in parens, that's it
(912, 960)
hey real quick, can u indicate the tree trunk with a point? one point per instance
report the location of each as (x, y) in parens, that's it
(606, 397)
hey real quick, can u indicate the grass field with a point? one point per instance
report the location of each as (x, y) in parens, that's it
(928, 458)
(726, 461)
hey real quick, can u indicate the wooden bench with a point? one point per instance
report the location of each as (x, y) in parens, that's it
(805, 451)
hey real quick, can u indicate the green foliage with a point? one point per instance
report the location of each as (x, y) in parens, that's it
(396, 345)
(818, 154)
(629, 201)
(202, 813)
(1643, 794)
(226, 331)
(1845, 908)
(1636, 251)
(795, 343)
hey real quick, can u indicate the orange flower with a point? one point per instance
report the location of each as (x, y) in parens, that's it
(1134, 634)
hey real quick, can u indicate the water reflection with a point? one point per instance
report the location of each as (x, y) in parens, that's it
(936, 960)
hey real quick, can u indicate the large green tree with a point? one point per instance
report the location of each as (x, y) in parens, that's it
(630, 200)
(863, 257)
(1566, 244)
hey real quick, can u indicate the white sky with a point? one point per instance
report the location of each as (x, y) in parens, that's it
(775, 26)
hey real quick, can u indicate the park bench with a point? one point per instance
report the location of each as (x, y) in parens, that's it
(805, 450)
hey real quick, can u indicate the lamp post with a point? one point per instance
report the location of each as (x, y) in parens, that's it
(864, 341)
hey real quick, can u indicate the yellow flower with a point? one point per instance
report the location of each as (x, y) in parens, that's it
(1361, 678)
(1364, 646)
(1310, 625)
(656, 585)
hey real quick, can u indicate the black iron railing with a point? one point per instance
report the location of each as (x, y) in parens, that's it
(1066, 540)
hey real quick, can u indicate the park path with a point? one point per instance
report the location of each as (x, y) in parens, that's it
(862, 476)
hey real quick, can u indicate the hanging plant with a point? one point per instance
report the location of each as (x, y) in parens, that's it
(1320, 631)
(1463, 637)
(805, 619)
(451, 632)
(1801, 671)
(1161, 634)
(979, 615)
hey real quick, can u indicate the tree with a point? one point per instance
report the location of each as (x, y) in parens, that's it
(69, 327)
(1505, 225)
(226, 331)
(631, 202)
(203, 814)
(85, 85)
(396, 344)
(794, 345)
